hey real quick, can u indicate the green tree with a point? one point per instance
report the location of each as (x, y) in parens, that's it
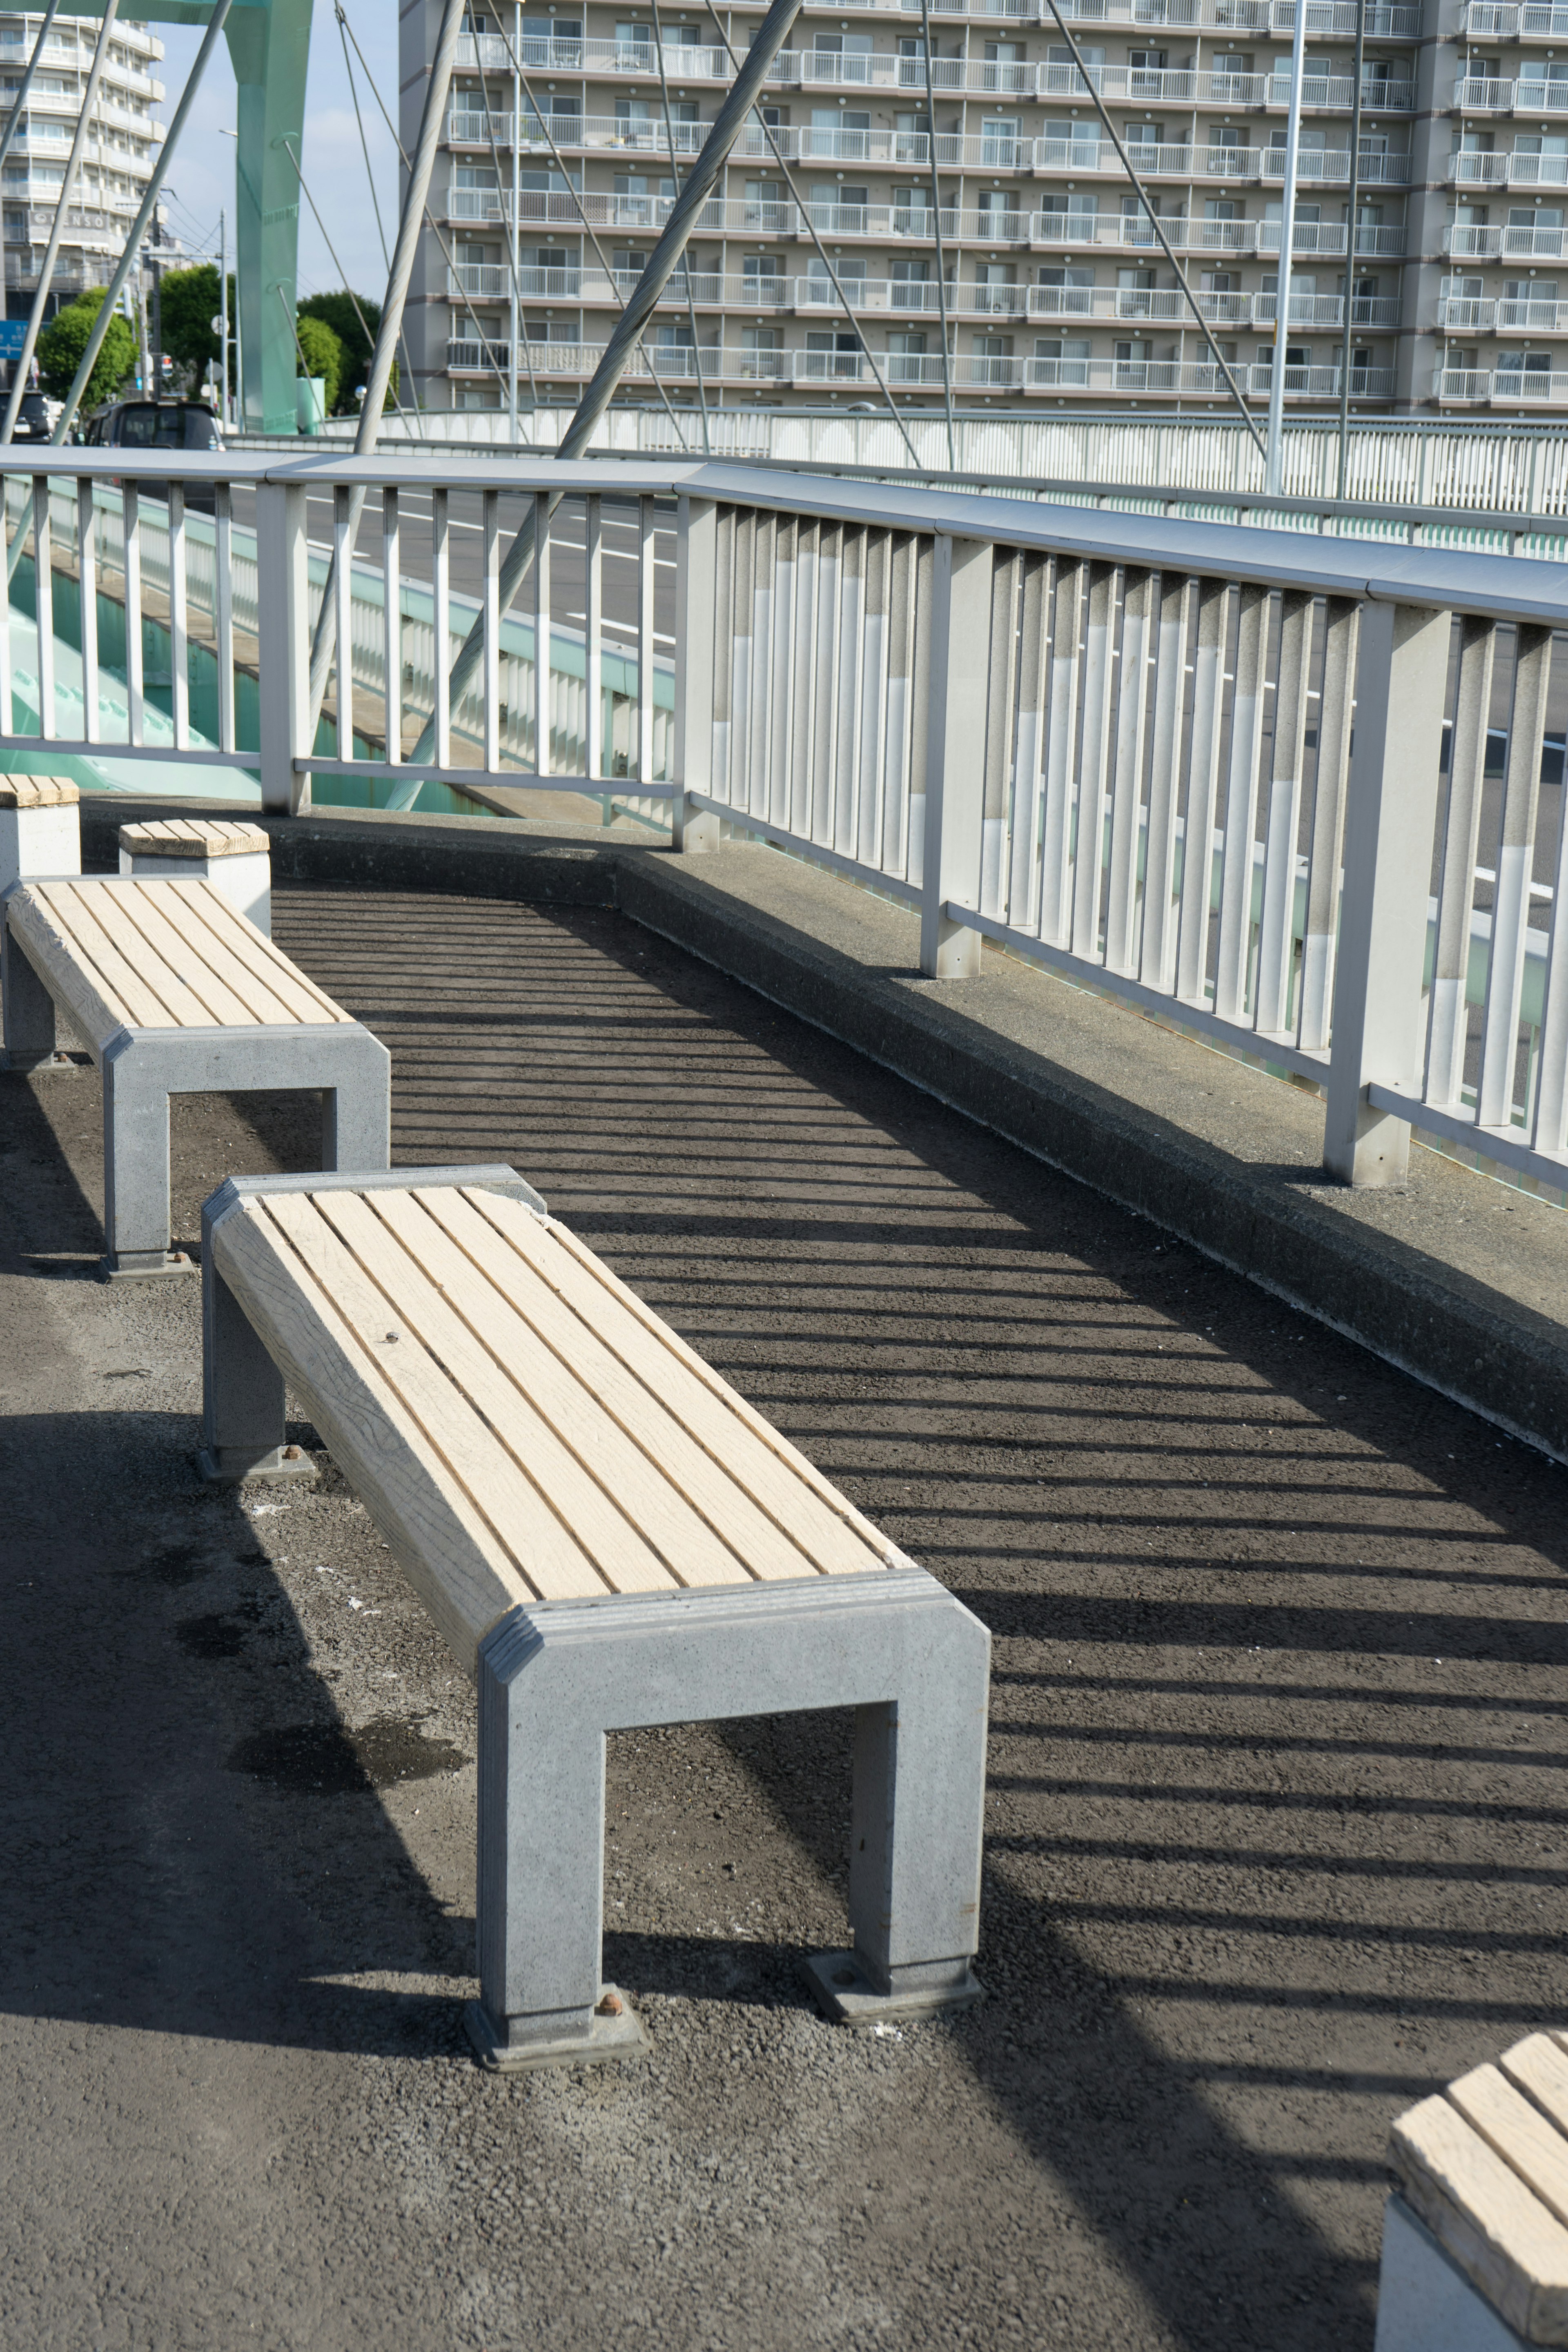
(188, 302)
(339, 311)
(320, 354)
(64, 339)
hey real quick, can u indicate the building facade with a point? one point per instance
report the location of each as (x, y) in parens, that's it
(1019, 246)
(116, 162)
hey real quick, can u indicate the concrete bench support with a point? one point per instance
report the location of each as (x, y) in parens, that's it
(175, 992)
(234, 857)
(1425, 2302)
(40, 828)
(609, 1538)
(557, 1676)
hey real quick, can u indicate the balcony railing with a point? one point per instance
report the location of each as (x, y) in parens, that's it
(1469, 168)
(1525, 95)
(1473, 315)
(1486, 243)
(1506, 20)
(1373, 912)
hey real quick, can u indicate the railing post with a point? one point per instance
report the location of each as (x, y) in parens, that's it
(1401, 692)
(695, 623)
(283, 644)
(955, 752)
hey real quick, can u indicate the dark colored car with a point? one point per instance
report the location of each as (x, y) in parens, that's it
(187, 425)
(32, 419)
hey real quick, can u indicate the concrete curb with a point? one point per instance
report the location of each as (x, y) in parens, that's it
(1474, 1343)
(1449, 1330)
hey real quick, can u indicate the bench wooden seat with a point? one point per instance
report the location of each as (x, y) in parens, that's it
(233, 855)
(176, 993)
(1476, 2240)
(606, 1535)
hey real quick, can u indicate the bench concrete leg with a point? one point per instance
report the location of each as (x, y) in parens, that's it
(243, 1426)
(1425, 2302)
(356, 1110)
(29, 1009)
(136, 1168)
(556, 1677)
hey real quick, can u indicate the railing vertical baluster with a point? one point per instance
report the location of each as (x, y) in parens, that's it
(43, 605)
(895, 846)
(1390, 817)
(594, 644)
(959, 673)
(700, 678)
(743, 610)
(342, 619)
(872, 760)
(1336, 707)
(223, 610)
(1551, 1045)
(86, 576)
(179, 619)
(803, 663)
(1024, 800)
(132, 555)
(829, 589)
(1061, 751)
(759, 728)
(1233, 954)
(848, 684)
(1098, 673)
(392, 625)
(489, 520)
(1277, 928)
(282, 639)
(1511, 894)
(983, 887)
(781, 715)
(1138, 599)
(1157, 943)
(719, 653)
(1203, 790)
(647, 580)
(1457, 887)
(441, 601)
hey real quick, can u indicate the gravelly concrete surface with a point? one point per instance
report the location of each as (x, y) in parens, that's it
(1277, 1820)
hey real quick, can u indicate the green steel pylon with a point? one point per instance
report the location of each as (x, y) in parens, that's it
(269, 45)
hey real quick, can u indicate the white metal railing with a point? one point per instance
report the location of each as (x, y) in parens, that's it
(1522, 386)
(1293, 794)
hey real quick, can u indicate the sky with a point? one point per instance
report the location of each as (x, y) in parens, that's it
(201, 171)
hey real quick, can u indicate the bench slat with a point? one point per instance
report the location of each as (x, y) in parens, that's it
(1539, 2065)
(587, 1397)
(548, 1559)
(1519, 2133)
(452, 1560)
(431, 1300)
(740, 1441)
(166, 958)
(799, 1465)
(75, 941)
(238, 949)
(1481, 2211)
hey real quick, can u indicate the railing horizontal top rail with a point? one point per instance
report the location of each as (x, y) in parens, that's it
(1437, 578)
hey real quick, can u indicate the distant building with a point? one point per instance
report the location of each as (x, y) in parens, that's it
(116, 164)
(1057, 292)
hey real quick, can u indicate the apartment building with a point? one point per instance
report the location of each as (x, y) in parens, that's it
(1015, 260)
(116, 163)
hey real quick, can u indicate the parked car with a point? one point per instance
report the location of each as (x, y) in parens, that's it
(34, 421)
(187, 425)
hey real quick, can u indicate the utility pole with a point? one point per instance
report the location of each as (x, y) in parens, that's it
(519, 320)
(223, 314)
(1350, 249)
(157, 329)
(1287, 252)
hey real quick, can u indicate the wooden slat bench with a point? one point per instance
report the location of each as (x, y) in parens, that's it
(1475, 2240)
(234, 856)
(177, 994)
(607, 1537)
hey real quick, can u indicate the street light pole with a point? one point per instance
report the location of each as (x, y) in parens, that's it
(1287, 251)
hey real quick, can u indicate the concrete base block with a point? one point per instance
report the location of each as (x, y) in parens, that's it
(52, 1065)
(147, 1266)
(280, 1465)
(1425, 2302)
(847, 1996)
(607, 2037)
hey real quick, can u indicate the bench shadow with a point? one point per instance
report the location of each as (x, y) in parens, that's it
(191, 1837)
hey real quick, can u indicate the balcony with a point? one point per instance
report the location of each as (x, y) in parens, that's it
(1501, 387)
(1528, 96)
(1474, 244)
(1504, 20)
